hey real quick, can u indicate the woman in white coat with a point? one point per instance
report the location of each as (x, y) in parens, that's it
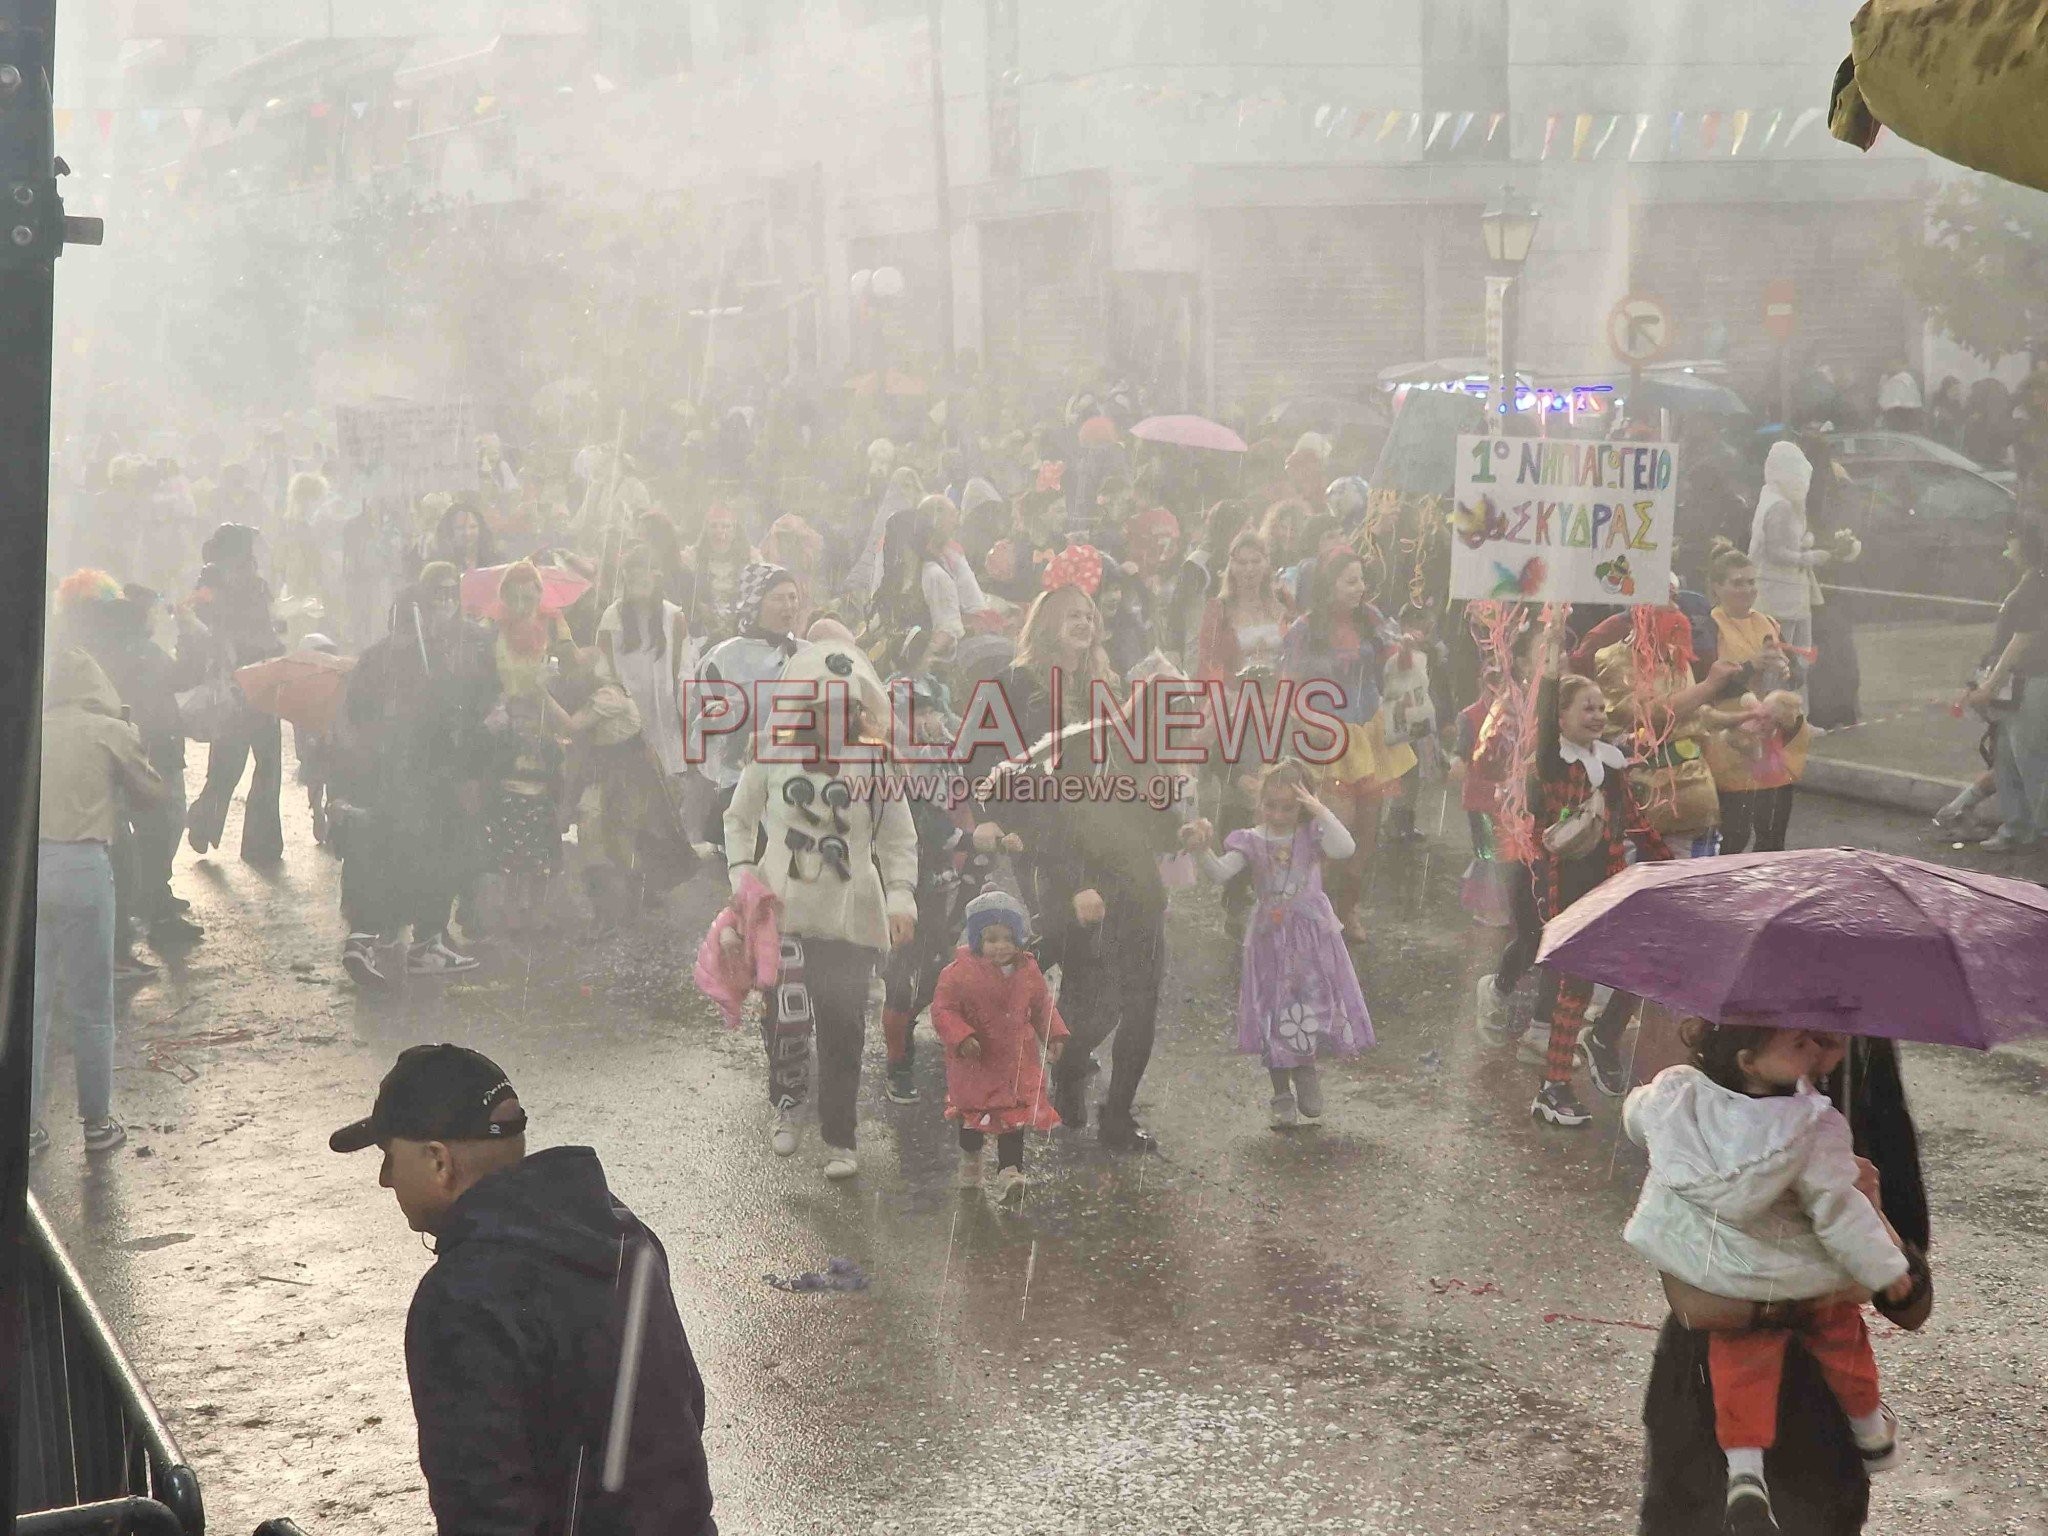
(808, 820)
(1783, 548)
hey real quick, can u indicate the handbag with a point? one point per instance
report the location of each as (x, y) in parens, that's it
(211, 711)
(1579, 832)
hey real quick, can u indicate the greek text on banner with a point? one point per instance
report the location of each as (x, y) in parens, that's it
(1548, 521)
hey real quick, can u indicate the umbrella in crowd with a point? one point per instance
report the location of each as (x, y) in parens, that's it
(1189, 432)
(304, 687)
(559, 590)
(1841, 939)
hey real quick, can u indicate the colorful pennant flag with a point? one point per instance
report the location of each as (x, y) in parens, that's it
(1364, 120)
(1324, 114)
(1607, 133)
(356, 109)
(1458, 133)
(1493, 125)
(1710, 131)
(1801, 123)
(1393, 121)
(1414, 127)
(150, 118)
(1549, 134)
(1582, 129)
(1435, 129)
(1771, 133)
(319, 109)
(1741, 130)
(1677, 129)
(1642, 127)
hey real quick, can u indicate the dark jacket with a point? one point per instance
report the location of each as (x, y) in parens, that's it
(513, 1348)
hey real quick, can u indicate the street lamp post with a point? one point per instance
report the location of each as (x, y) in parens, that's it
(1510, 229)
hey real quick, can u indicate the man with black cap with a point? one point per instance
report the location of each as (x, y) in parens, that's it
(516, 1343)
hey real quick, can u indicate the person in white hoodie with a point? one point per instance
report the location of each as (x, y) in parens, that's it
(1752, 1195)
(1783, 547)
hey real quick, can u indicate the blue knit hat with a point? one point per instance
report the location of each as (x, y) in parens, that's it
(993, 909)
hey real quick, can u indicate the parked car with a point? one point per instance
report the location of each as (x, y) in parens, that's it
(1927, 525)
(1911, 446)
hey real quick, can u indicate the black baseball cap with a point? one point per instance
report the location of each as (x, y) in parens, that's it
(436, 1093)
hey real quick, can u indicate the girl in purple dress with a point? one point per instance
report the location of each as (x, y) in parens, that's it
(1299, 998)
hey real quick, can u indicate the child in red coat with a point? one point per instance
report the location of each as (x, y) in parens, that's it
(994, 1012)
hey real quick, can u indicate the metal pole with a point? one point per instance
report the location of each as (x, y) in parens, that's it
(27, 308)
(942, 183)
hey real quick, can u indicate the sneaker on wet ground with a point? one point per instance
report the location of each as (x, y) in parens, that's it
(1881, 1449)
(1556, 1104)
(359, 959)
(787, 1135)
(1010, 1186)
(1490, 1008)
(902, 1086)
(1283, 1114)
(1604, 1065)
(104, 1135)
(1749, 1507)
(435, 958)
(840, 1163)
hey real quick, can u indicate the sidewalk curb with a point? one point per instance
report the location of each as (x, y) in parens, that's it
(1889, 787)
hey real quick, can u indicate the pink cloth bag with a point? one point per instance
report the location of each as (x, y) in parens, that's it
(727, 975)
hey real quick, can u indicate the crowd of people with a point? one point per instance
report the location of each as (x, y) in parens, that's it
(547, 665)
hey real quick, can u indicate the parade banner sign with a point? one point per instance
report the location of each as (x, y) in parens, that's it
(402, 448)
(1543, 520)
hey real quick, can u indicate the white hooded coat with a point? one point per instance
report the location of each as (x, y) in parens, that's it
(1779, 542)
(1753, 1199)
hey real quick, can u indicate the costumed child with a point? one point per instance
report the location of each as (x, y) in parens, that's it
(1298, 996)
(996, 1016)
(1412, 707)
(1752, 1195)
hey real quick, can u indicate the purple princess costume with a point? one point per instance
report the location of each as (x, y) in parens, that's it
(1299, 999)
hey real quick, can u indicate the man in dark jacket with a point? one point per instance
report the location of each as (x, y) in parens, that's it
(515, 1345)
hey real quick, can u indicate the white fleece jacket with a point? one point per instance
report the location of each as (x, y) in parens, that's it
(1753, 1199)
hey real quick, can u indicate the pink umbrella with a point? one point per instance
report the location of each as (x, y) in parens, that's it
(1189, 432)
(559, 590)
(1839, 939)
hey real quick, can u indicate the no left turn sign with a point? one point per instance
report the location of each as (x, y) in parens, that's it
(1638, 330)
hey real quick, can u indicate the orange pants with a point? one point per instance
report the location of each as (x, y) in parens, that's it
(1747, 1367)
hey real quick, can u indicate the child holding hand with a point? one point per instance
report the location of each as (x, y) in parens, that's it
(996, 1016)
(1298, 996)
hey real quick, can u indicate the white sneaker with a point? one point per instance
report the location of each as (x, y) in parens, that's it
(435, 958)
(1490, 1010)
(842, 1164)
(1882, 1453)
(1010, 1186)
(787, 1135)
(970, 1169)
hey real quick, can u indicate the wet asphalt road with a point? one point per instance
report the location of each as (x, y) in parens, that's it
(1418, 1318)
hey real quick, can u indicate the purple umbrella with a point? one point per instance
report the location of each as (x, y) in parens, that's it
(1822, 938)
